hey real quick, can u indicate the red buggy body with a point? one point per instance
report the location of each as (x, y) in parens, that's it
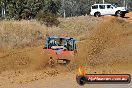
(61, 49)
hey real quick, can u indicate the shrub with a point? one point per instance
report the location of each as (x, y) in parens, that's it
(47, 18)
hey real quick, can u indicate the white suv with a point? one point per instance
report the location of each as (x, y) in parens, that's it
(108, 9)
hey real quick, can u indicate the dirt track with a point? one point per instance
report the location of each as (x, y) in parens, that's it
(29, 68)
(63, 80)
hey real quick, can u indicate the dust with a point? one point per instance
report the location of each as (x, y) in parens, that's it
(40, 59)
(108, 43)
(28, 58)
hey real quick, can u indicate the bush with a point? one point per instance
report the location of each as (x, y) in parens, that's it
(47, 18)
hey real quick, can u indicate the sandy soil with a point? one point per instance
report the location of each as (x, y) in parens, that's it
(27, 68)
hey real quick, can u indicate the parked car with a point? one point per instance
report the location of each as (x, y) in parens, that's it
(98, 10)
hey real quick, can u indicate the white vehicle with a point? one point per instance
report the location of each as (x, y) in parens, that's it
(98, 10)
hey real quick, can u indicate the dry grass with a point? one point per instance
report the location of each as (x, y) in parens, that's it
(78, 26)
(20, 33)
(21, 42)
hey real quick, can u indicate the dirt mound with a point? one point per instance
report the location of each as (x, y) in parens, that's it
(128, 17)
(110, 37)
(109, 43)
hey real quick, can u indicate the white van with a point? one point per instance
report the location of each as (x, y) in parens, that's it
(98, 10)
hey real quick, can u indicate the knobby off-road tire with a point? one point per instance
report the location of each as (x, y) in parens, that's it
(118, 14)
(97, 14)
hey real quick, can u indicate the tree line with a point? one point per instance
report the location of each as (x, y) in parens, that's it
(30, 9)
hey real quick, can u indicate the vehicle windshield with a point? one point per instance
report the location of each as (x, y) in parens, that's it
(56, 43)
(114, 5)
(60, 41)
